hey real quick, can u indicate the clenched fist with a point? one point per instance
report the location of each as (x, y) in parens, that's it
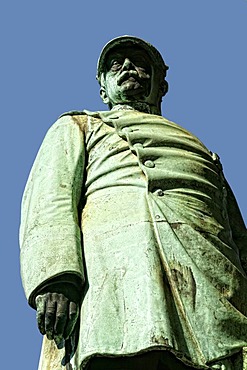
(56, 315)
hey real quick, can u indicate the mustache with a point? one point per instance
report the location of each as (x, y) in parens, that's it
(125, 75)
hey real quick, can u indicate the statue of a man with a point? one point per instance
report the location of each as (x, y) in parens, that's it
(133, 248)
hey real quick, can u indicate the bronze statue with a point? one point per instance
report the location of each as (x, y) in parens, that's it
(133, 248)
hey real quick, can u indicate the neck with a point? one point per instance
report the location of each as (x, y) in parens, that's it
(141, 107)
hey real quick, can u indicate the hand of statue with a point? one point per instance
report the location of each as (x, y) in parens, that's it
(56, 316)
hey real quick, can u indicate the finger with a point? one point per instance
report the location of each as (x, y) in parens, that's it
(73, 316)
(50, 315)
(68, 354)
(61, 316)
(59, 341)
(40, 302)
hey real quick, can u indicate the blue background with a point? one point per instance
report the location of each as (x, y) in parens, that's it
(49, 51)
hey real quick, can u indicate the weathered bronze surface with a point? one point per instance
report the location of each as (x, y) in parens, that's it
(133, 248)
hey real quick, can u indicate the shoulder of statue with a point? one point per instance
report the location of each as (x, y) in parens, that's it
(80, 113)
(80, 118)
(73, 113)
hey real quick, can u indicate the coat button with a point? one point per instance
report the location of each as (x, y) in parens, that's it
(159, 192)
(138, 146)
(127, 129)
(149, 164)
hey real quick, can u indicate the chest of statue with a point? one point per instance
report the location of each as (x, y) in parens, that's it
(143, 150)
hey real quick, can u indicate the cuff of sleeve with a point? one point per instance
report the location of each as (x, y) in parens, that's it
(47, 255)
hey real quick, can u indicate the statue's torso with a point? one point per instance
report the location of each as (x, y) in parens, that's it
(157, 240)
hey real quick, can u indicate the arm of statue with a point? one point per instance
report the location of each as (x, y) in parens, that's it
(239, 231)
(58, 311)
(50, 234)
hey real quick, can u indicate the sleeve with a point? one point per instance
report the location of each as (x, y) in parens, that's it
(50, 236)
(236, 222)
(238, 228)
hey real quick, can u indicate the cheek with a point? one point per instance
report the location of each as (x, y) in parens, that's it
(111, 86)
(143, 74)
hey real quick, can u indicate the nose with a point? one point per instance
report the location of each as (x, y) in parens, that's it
(127, 65)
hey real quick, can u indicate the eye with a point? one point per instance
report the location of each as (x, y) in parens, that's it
(140, 63)
(115, 65)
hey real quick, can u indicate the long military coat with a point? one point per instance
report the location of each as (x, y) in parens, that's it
(137, 208)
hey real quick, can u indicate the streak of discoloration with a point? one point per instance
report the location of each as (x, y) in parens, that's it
(51, 357)
(81, 121)
(185, 281)
(175, 225)
(160, 340)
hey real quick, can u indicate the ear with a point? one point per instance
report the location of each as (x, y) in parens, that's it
(164, 87)
(103, 95)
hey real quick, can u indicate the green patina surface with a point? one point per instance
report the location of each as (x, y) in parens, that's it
(134, 213)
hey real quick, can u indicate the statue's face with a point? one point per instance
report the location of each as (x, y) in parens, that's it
(128, 76)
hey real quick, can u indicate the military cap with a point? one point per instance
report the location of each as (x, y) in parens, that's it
(154, 54)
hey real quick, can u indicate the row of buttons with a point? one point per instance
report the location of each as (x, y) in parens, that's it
(148, 163)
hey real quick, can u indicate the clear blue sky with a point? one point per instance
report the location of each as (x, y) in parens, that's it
(49, 51)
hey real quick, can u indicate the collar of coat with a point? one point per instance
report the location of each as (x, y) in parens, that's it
(125, 117)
